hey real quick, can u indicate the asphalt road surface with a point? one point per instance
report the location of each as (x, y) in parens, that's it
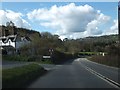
(11, 64)
(79, 73)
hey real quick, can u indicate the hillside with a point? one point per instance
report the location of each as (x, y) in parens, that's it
(32, 34)
(93, 44)
(47, 44)
(35, 34)
(105, 39)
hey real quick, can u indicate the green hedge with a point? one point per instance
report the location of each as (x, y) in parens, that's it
(15, 58)
(21, 76)
(21, 58)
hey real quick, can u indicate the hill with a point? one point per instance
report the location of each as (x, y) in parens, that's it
(47, 44)
(9, 30)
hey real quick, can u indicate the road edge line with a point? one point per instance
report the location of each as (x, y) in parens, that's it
(111, 82)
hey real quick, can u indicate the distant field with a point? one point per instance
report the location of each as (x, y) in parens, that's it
(88, 52)
(91, 53)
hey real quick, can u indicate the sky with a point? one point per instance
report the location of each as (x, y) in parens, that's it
(67, 19)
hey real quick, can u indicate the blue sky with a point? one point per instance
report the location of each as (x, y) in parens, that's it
(106, 8)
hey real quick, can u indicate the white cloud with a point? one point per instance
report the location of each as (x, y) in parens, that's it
(70, 21)
(113, 29)
(94, 27)
(74, 35)
(15, 17)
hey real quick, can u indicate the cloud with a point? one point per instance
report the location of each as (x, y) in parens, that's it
(15, 17)
(113, 29)
(94, 27)
(70, 21)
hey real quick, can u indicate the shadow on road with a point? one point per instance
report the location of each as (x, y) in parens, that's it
(69, 62)
(34, 80)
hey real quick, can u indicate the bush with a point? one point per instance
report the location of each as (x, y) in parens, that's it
(113, 49)
(21, 76)
(15, 57)
(111, 60)
(21, 58)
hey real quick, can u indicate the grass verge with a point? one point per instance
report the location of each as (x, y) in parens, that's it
(45, 61)
(20, 77)
(91, 53)
(110, 60)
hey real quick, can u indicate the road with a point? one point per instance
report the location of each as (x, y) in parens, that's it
(11, 64)
(80, 73)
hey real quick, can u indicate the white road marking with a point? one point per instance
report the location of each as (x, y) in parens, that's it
(77, 59)
(111, 82)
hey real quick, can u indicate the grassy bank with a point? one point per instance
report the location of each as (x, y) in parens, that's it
(90, 53)
(110, 60)
(21, 76)
(57, 57)
(45, 61)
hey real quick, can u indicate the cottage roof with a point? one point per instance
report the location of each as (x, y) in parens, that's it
(14, 38)
(11, 37)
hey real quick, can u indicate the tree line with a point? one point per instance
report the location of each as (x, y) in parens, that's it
(42, 44)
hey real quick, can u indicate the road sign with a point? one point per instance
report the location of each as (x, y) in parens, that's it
(46, 57)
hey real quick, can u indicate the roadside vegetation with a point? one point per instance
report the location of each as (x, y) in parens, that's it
(45, 61)
(20, 77)
(60, 51)
(111, 59)
(106, 60)
(90, 53)
(16, 58)
(47, 44)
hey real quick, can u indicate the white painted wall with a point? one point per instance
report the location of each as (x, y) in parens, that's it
(8, 43)
(16, 45)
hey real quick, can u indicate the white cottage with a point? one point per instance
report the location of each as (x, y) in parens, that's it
(10, 40)
(12, 43)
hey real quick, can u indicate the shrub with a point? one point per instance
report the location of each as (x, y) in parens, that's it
(111, 60)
